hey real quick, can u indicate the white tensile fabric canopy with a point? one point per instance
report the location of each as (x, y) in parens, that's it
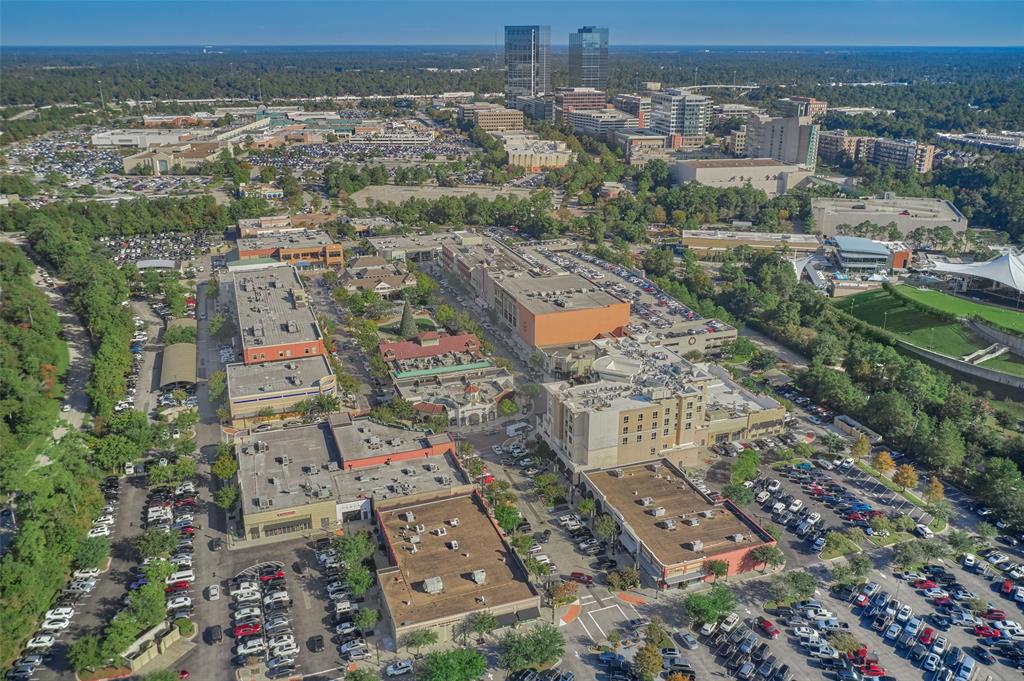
(1007, 269)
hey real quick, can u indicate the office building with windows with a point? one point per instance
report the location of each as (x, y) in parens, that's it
(527, 70)
(682, 116)
(588, 58)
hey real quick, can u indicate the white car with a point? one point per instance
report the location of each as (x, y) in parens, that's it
(41, 642)
(280, 640)
(352, 645)
(730, 622)
(250, 597)
(344, 628)
(246, 613)
(936, 593)
(56, 624)
(924, 531)
(284, 650)
(997, 558)
(1018, 594)
(252, 647)
(213, 592)
(86, 573)
(823, 651)
(276, 597)
(101, 531)
(1009, 626)
(398, 668)
(244, 587)
(774, 486)
(182, 561)
(970, 560)
(82, 585)
(813, 518)
(103, 520)
(542, 558)
(59, 613)
(805, 632)
(185, 488)
(179, 602)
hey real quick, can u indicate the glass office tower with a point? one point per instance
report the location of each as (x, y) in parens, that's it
(588, 58)
(527, 71)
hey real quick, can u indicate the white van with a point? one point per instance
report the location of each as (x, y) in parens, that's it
(345, 606)
(181, 576)
(129, 468)
(762, 497)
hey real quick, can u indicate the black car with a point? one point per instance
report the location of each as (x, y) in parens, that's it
(316, 644)
(214, 634)
(281, 672)
(982, 655)
(940, 621)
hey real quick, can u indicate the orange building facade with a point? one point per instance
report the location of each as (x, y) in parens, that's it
(570, 326)
(283, 351)
(326, 255)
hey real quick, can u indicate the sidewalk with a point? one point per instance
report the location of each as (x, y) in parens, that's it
(165, 660)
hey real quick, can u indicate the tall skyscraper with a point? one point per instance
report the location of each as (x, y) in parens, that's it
(588, 58)
(527, 71)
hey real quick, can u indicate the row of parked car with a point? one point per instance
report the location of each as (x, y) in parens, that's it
(742, 650)
(260, 622)
(58, 618)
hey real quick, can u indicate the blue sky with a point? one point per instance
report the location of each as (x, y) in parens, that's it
(466, 22)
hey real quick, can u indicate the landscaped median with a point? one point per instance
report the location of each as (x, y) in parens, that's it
(937, 524)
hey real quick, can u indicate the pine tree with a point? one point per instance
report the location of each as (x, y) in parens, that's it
(408, 327)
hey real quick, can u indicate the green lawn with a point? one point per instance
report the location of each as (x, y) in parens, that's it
(1008, 363)
(880, 309)
(965, 308)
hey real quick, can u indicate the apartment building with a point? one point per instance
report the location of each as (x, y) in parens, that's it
(646, 402)
(839, 146)
(790, 140)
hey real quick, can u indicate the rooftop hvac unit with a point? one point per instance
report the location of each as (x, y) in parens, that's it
(454, 522)
(736, 537)
(697, 546)
(413, 549)
(647, 501)
(414, 539)
(433, 585)
(478, 576)
(667, 524)
(441, 531)
(655, 467)
(420, 529)
(407, 516)
(658, 512)
(708, 513)
(617, 473)
(453, 545)
(692, 522)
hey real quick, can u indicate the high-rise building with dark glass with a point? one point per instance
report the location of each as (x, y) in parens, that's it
(588, 58)
(527, 70)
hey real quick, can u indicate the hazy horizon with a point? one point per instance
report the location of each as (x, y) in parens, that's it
(697, 23)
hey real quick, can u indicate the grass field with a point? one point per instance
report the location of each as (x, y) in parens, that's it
(880, 309)
(966, 308)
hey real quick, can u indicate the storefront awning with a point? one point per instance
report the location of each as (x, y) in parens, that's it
(507, 620)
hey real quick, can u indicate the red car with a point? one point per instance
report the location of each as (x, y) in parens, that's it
(986, 631)
(943, 600)
(1007, 586)
(174, 587)
(875, 514)
(861, 600)
(187, 501)
(925, 584)
(927, 636)
(582, 578)
(188, 530)
(995, 615)
(247, 629)
(872, 670)
(854, 515)
(767, 627)
(267, 576)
